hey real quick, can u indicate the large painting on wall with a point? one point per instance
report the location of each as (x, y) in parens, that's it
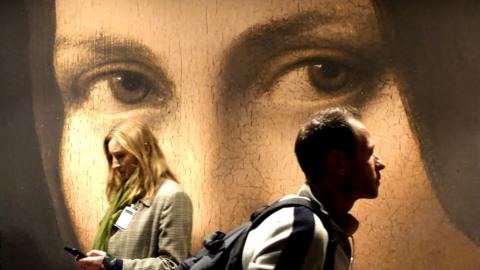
(226, 84)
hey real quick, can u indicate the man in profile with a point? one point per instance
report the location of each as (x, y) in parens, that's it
(335, 152)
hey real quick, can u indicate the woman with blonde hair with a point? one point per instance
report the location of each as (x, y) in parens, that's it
(149, 221)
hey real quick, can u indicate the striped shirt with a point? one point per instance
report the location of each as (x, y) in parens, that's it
(294, 238)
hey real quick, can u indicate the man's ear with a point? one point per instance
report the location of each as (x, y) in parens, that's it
(337, 162)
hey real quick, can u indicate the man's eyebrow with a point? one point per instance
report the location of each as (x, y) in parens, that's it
(371, 149)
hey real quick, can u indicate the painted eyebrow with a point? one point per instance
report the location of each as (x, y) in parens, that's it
(253, 49)
(104, 46)
(100, 51)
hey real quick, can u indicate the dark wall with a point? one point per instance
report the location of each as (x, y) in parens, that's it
(438, 47)
(29, 234)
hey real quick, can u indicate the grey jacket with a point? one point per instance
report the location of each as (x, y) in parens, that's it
(159, 232)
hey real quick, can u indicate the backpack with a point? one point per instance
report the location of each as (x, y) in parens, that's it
(224, 251)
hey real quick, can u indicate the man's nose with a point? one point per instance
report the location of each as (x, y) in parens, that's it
(379, 164)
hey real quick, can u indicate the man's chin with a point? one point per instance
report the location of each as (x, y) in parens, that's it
(373, 193)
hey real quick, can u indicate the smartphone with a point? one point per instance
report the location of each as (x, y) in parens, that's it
(75, 252)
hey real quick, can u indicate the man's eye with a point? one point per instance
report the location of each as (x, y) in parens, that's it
(129, 87)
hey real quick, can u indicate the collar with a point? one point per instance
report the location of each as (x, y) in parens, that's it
(145, 202)
(148, 202)
(347, 223)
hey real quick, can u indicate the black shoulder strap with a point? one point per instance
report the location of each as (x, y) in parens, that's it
(261, 214)
(264, 212)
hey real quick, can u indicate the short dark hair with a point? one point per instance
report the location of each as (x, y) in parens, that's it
(327, 131)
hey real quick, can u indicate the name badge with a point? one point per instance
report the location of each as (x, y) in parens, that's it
(125, 218)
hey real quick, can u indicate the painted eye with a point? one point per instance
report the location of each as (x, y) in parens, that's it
(121, 87)
(316, 82)
(328, 77)
(129, 87)
(317, 77)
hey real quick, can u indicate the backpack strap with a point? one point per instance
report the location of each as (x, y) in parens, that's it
(261, 214)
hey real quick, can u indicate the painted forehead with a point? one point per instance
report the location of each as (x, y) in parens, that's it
(157, 18)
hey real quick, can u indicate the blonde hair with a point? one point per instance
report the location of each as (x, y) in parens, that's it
(137, 139)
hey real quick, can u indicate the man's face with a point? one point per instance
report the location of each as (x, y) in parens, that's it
(225, 86)
(366, 166)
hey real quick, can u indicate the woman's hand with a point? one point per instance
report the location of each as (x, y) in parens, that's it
(94, 261)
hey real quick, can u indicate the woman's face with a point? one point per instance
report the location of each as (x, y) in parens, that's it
(123, 162)
(225, 86)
